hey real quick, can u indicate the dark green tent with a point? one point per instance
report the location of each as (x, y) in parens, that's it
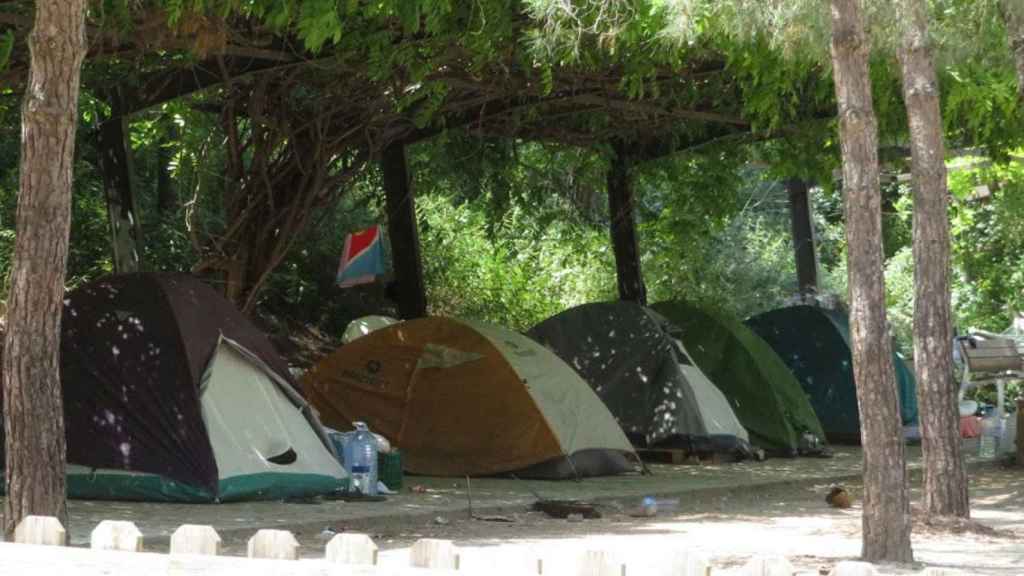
(815, 343)
(632, 359)
(762, 391)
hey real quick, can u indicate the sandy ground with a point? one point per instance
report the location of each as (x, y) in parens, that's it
(728, 512)
(792, 521)
(448, 497)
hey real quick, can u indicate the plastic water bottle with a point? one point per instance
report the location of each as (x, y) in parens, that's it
(361, 456)
(989, 437)
(651, 506)
(1008, 442)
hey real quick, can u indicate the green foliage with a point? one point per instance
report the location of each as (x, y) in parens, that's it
(514, 231)
(981, 108)
(497, 243)
(685, 201)
(515, 278)
(6, 46)
(899, 299)
(776, 91)
(988, 248)
(319, 21)
(88, 251)
(743, 264)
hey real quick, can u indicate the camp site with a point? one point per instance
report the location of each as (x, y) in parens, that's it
(523, 287)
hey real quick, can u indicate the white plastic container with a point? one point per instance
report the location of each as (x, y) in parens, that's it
(1008, 435)
(988, 445)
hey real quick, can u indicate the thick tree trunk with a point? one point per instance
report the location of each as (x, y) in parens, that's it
(623, 230)
(886, 516)
(1013, 17)
(945, 479)
(33, 410)
(802, 229)
(405, 239)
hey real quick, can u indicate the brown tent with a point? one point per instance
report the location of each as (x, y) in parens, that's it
(466, 398)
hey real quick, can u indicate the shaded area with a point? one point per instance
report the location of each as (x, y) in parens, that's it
(134, 352)
(815, 344)
(730, 512)
(762, 391)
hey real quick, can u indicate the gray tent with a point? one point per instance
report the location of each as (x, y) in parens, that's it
(630, 357)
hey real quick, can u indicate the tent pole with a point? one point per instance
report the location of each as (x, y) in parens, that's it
(410, 291)
(623, 228)
(803, 236)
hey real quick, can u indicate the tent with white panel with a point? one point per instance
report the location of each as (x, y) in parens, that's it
(171, 394)
(633, 361)
(466, 398)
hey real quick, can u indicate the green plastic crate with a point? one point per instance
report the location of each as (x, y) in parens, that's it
(389, 470)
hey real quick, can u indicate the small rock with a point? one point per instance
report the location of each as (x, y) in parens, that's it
(441, 521)
(574, 517)
(326, 534)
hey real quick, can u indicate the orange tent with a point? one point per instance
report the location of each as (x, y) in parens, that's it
(467, 398)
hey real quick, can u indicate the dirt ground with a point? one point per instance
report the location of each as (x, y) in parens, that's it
(790, 520)
(728, 512)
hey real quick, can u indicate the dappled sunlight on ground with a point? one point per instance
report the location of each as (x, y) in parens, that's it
(811, 542)
(793, 521)
(729, 511)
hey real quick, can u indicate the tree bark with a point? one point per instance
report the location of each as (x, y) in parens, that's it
(802, 229)
(623, 229)
(886, 516)
(405, 239)
(33, 408)
(118, 186)
(1012, 12)
(945, 478)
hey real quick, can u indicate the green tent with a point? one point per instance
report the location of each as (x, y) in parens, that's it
(762, 391)
(815, 344)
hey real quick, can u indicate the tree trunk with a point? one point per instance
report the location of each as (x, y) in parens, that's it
(802, 229)
(945, 479)
(1013, 17)
(118, 174)
(623, 229)
(886, 516)
(405, 238)
(33, 410)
